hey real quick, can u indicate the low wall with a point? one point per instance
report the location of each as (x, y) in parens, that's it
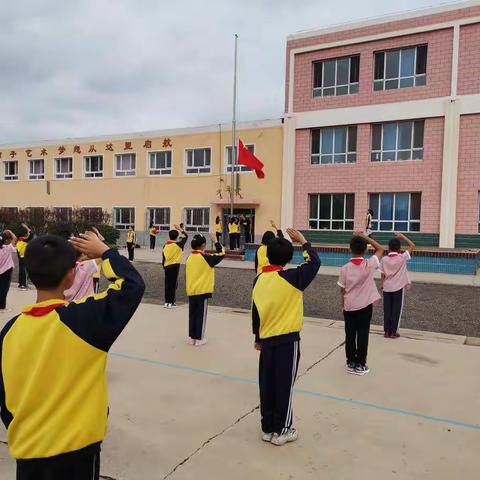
(436, 261)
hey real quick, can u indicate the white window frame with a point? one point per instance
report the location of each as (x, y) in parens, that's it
(90, 173)
(196, 228)
(163, 227)
(394, 220)
(35, 177)
(116, 173)
(335, 87)
(399, 78)
(10, 178)
(186, 167)
(62, 175)
(319, 155)
(411, 150)
(331, 219)
(123, 226)
(238, 168)
(162, 172)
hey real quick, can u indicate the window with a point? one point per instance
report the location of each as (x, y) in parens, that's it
(397, 141)
(160, 163)
(332, 211)
(93, 215)
(93, 166)
(197, 219)
(124, 218)
(396, 211)
(11, 170)
(63, 168)
(36, 170)
(228, 159)
(335, 77)
(62, 214)
(334, 145)
(198, 160)
(125, 165)
(401, 68)
(160, 217)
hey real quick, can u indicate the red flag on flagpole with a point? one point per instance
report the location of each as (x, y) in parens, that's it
(247, 158)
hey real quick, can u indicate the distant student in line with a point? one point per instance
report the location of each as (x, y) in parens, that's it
(218, 229)
(368, 222)
(261, 259)
(131, 242)
(85, 269)
(153, 232)
(200, 280)
(359, 293)
(277, 318)
(395, 279)
(54, 395)
(21, 247)
(232, 232)
(172, 258)
(7, 250)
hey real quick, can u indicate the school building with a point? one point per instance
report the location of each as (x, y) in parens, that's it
(385, 114)
(164, 177)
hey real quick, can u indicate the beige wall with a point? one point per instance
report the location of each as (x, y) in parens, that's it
(176, 191)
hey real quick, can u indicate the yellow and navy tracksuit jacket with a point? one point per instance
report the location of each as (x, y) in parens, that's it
(368, 221)
(22, 245)
(218, 228)
(233, 228)
(261, 259)
(131, 236)
(200, 274)
(173, 251)
(53, 356)
(277, 300)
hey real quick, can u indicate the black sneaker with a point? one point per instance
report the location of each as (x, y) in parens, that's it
(351, 367)
(361, 370)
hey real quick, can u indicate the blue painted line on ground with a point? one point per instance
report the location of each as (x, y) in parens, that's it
(301, 391)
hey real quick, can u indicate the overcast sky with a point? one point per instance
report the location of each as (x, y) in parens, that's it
(91, 67)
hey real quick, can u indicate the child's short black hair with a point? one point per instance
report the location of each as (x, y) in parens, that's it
(173, 234)
(358, 245)
(48, 259)
(279, 251)
(198, 241)
(268, 236)
(394, 245)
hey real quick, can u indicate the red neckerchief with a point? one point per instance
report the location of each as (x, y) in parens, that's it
(271, 268)
(40, 311)
(196, 252)
(170, 241)
(357, 261)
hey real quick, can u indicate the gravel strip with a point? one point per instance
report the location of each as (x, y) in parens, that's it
(437, 308)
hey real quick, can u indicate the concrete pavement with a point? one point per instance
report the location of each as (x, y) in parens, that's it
(181, 412)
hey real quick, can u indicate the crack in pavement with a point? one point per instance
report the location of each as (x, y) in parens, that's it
(213, 437)
(331, 352)
(245, 415)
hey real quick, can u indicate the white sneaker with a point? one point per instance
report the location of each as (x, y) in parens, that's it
(169, 306)
(173, 305)
(267, 437)
(288, 437)
(165, 305)
(191, 341)
(200, 343)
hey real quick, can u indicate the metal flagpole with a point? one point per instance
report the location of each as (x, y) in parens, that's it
(234, 133)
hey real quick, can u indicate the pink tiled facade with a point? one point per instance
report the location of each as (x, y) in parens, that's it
(379, 28)
(469, 60)
(366, 177)
(439, 66)
(468, 175)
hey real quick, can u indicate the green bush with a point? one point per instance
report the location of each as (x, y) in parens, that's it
(110, 233)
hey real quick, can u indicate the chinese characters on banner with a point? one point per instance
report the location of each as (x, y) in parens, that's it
(128, 145)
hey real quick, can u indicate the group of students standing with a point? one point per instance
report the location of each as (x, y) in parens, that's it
(59, 422)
